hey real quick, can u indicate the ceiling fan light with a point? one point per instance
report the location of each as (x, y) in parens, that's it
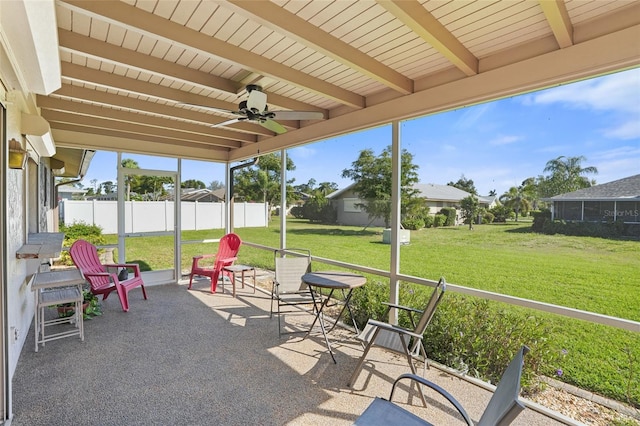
(257, 101)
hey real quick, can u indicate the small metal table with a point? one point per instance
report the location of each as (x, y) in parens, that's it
(333, 280)
(242, 269)
(53, 288)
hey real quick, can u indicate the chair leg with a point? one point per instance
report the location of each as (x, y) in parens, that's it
(405, 346)
(214, 281)
(358, 368)
(144, 292)
(190, 280)
(122, 294)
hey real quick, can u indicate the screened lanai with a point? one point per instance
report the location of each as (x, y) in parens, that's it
(228, 81)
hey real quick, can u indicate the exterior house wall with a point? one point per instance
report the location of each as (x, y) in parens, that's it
(29, 65)
(349, 214)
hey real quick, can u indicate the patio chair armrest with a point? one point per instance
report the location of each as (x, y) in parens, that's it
(203, 256)
(404, 308)
(112, 277)
(134, 266)
(394, 328)
(228, 259)
(440, 390)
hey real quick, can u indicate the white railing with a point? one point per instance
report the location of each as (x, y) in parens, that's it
(621, 323)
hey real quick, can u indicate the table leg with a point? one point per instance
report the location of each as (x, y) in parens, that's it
(319, 319)
(233, 283)
(347, 298)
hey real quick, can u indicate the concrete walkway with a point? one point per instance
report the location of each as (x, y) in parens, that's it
(196, 358)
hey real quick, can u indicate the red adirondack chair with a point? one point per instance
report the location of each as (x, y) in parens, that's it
(227, 254)
(85, 256)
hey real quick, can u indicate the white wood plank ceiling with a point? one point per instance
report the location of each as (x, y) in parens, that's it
(136, 72)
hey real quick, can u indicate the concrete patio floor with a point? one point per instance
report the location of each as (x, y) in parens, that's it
(190, 357)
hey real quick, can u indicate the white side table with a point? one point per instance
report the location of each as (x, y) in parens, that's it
(53, 288)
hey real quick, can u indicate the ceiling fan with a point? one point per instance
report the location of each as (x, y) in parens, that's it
(255, 109)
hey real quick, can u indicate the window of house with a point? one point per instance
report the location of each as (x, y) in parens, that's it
(350, 205)
(628, 211)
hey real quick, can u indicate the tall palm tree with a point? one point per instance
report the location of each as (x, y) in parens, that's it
(567, 175)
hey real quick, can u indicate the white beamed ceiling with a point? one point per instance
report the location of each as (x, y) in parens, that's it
(131, 70)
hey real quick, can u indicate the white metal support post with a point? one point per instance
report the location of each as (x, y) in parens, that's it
(121, 209)
(396, 172)
(228, 222)
(283, 199)
(177, 223)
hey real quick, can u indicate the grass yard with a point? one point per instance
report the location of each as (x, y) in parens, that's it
(592, 274)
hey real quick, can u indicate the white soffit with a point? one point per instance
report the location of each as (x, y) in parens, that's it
(30, 30)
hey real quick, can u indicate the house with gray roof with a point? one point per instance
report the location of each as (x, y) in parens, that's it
(614, 201)
(437, 197)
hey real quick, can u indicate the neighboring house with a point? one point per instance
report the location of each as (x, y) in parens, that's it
(68, 192)
(614, 201)
(346, 201)
(436, 198)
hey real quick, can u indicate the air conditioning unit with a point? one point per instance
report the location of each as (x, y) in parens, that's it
(405, 236)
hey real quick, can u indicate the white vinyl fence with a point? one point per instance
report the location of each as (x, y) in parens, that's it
(154, 216)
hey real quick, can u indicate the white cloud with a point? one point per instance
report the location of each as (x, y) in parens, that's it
(617, 92)
(473, 115)
(505, 140)
(304, 151)
(625, 131)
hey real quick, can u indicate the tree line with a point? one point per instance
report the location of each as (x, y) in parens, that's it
(371, 175)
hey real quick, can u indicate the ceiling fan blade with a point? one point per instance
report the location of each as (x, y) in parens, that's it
(297, 115)
(226, 123)
(273, 126)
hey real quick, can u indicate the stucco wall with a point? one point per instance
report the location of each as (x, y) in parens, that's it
(19, 296)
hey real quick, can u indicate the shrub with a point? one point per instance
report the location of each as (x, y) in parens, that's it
(477, 337)
(79, 231)
(540, 218)
(413, 223)
(439, 220)
(319, 210)
(450, 214)
(487, 217)
(428, 221)
(297, 212)
(501, 213)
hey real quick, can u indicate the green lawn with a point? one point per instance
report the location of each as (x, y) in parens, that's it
(592, 274)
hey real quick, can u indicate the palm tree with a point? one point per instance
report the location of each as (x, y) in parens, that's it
(129, 163)
(517, 198)
(567, 175)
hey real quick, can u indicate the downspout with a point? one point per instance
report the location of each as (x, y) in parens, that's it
(230, 195)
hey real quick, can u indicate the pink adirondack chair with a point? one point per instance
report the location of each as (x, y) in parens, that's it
(227, 254)
(85, 256)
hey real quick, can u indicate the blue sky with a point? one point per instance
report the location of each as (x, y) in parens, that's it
(497, 144)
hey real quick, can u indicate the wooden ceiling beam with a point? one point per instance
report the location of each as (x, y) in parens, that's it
(558, 18)
(102, 123)
(58, 104)
(110, 99)
(282, 21)
(71, 136)
(415, 16)
(137, 20)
